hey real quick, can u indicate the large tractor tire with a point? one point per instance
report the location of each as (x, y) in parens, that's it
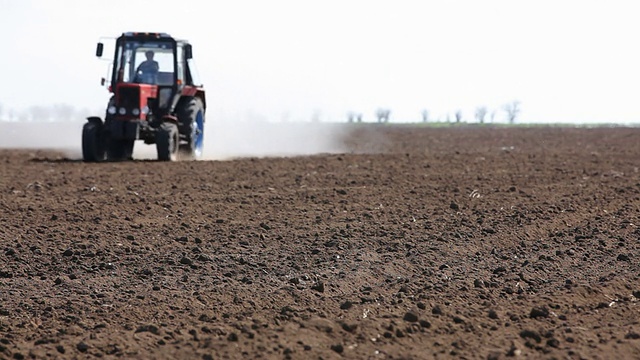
(93, 148)
(119, 150)
(191, 116)
(167, 141)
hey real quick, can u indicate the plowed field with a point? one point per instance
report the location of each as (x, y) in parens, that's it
(415, 243)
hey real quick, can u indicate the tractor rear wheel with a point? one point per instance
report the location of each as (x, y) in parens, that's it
(167, 141)
(191, 116)
(92, 142)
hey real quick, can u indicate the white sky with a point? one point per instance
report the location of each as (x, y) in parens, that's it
(569, 61)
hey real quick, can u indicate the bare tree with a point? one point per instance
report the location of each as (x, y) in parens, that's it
(350, 116)
(481, 112)
(383, 115)
(458, 116)
(425, 115)
(512, 109)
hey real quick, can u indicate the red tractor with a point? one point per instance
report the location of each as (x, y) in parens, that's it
(155, 99)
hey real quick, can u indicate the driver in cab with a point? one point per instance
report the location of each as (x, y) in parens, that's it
(148, 67)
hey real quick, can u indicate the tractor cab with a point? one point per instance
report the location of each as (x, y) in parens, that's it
(135, 51)
(153, 89)
(156, 60)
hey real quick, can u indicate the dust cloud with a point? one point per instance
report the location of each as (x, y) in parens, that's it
(223, 140)
(227, 140)
(64, 137)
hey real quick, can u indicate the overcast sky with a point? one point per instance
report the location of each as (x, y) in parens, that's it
(570, 61)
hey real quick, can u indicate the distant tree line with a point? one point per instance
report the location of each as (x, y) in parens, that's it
(50, 113)
(511, 109)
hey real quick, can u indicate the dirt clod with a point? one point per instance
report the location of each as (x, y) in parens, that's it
(410, 316)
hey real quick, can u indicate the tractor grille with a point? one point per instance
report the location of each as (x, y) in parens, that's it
(128, 98)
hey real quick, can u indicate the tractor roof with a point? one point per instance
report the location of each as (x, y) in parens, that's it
(157, 35)
(152, 36)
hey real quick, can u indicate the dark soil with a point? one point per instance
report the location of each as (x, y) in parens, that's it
(461, 242)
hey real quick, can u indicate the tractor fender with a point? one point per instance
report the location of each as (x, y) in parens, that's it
(95, 120)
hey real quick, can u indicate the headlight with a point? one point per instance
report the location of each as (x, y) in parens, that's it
(145, 110)
(135, 112)
(122, 111)
(111, 110)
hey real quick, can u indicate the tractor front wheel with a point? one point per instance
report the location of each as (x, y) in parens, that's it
(167, 141)
(92, 142)
(118, 150)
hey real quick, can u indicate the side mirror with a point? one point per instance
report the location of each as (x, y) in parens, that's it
(99, 49)
(188, 52)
